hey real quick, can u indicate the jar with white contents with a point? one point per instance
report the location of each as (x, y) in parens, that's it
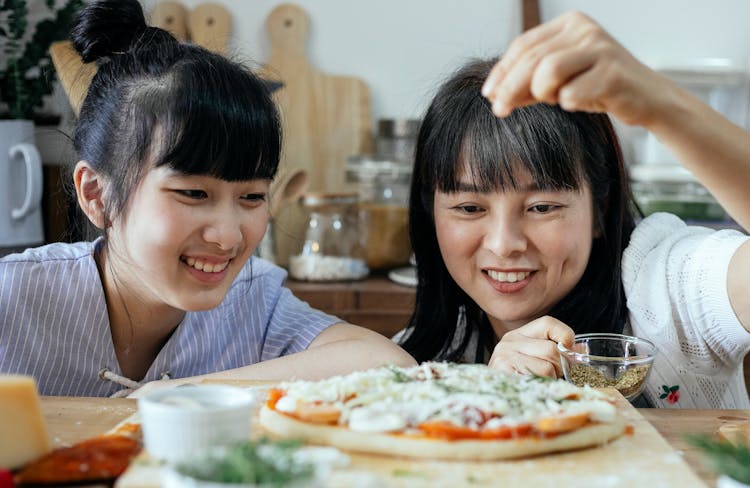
(331, 250)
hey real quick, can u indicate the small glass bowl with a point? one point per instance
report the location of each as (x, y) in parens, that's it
(608, 360)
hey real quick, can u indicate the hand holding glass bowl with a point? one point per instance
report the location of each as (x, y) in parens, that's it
(608, 360)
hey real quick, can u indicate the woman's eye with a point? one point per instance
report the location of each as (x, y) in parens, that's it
(255, 197)
(194, 194)
(468, 209)
(544, 208)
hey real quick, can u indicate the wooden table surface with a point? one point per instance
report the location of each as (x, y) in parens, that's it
(73, 419)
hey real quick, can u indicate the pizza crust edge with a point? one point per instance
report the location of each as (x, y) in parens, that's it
(425, 448)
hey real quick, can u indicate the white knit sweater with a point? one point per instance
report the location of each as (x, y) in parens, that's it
(675, 280)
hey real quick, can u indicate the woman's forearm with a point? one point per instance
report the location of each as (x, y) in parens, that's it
(715, 150)
(340, 349)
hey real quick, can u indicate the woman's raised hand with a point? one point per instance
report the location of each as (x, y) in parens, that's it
(532, 349)
(573, 62)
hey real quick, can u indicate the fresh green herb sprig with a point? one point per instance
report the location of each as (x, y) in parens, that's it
(399, 376)
(724, 457)
(541, 379)
(261, 462)
(451, 388)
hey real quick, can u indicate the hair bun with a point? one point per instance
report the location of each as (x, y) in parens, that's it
(106, 27)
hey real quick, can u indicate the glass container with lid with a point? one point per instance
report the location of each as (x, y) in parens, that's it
(331, 250)
(383, 187)
(396, 139)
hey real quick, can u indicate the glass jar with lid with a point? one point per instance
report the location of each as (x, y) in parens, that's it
(396, 138)
(331, 250)
(383, 187)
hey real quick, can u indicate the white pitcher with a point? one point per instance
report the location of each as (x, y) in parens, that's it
(20, 185)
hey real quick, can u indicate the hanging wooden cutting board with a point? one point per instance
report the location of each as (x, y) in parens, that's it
(325, 119)
(172, 17)
(210, 26)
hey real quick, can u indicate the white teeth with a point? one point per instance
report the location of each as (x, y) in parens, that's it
(206, 267)
(507, 277)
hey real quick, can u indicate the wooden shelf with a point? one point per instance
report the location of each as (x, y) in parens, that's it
(376, 302)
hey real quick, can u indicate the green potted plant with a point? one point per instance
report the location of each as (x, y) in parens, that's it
(27, 74)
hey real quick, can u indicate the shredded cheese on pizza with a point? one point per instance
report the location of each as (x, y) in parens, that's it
(431, 396)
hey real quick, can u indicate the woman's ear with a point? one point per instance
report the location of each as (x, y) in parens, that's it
(597, 230)
(90, 190)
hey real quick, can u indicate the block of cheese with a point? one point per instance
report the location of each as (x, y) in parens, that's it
(22, 428)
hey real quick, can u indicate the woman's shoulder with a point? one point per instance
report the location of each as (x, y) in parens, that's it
(663, 241)
(657, 225)
(665, 230)
(68, 269)
(51, 253)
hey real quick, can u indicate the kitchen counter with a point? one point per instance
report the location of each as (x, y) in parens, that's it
(72, 419)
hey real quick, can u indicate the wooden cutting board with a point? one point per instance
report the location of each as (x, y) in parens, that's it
(172, 17)
(641, 459)
(325, 118)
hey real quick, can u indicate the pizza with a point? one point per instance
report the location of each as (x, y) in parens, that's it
(99, 459)
(443, 411)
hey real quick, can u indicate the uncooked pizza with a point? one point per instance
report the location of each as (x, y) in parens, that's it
(443, 411)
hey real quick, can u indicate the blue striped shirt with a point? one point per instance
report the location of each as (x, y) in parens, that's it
(54, 324)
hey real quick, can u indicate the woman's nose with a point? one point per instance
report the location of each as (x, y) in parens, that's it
(505, 235)
(224, 230)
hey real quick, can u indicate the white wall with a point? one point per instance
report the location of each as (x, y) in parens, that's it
(404, 48)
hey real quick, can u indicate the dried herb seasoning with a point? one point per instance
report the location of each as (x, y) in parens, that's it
(627, 383)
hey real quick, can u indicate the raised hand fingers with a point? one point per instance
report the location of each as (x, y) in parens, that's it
(555, 71)
(541, 61)
(516, 51)
(507, 84)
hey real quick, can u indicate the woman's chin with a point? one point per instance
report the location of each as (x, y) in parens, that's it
(200, 305)
(509, 320)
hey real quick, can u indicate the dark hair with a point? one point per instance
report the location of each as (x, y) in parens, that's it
(156, 101)
(561, 150)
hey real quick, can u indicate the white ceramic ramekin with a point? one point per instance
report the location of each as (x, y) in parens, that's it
(182, 421)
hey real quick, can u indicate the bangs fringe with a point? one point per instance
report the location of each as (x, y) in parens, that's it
(493, 150)
(224, 126)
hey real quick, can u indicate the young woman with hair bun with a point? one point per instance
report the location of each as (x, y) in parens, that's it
(176, 147)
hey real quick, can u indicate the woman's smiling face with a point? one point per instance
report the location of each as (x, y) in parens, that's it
(515, 252)
(183, 238)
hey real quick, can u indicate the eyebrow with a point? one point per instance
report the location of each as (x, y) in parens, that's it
(472, 188)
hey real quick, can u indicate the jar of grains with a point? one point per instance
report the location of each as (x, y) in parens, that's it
(331, 250)
(383, 186)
